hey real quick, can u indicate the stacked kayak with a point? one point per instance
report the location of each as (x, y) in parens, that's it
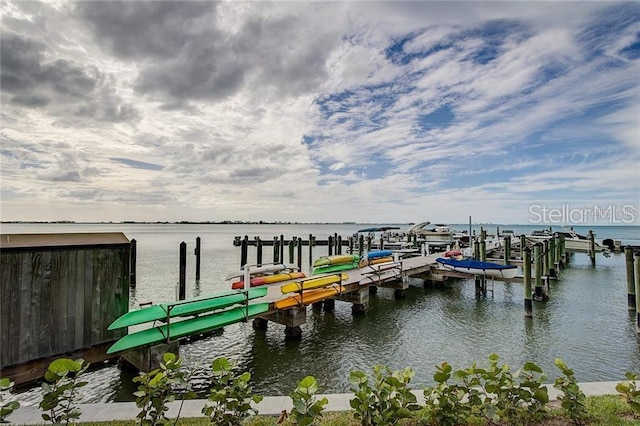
(310, 290)
(335, 263)
(376, 257)
(187, 317)
(264, 274)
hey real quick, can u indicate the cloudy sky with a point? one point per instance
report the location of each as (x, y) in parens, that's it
(382, 112)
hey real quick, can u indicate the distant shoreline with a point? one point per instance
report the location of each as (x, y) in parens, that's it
(263, 222)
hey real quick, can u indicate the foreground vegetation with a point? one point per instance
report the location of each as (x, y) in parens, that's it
(492, 395)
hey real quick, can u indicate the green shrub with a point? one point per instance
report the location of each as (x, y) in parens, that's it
(630, 393)
(572, 399)
(6, 408)
(158, 388)
(306, 407)
(60, 391)
(230, 395)
(446, 402)
(387, 401)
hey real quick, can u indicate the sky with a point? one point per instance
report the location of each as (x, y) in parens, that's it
(368, 112)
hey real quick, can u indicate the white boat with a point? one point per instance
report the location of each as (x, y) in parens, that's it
(439, 234)
(573, 242)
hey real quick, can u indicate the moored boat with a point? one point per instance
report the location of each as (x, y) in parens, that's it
(477, 267)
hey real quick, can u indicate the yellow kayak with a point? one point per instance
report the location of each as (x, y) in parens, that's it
(308, 297)
(314, 282)
(335, 259)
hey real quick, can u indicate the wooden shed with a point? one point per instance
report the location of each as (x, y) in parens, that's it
(59, 293)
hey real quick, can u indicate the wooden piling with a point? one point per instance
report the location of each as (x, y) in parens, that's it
(476, 250)
(329, 245)
(526, 269)
(197, 253)
(483, 250)
(258, 251)
(369, 242)
(133, 258)
(552, 257)
(299, 247)
(276, 250)
(281, 248)
(631, 281)
(244, 248)
(523, 243)
(507, 249)
(339, 244)
(292, 246)
(637, 275)
(381, 244)
(351, 244)
(545, 263)
(182, 284)
(361, 245)
(539, 294)
(592, 247)
(311, 243)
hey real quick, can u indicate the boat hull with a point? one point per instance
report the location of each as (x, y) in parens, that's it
(474, 267)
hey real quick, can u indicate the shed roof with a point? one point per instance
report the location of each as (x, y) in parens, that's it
(23, 241)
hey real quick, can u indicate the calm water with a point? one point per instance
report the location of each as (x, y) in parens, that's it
(586, 322)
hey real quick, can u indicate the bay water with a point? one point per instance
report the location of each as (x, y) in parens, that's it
(586, 321)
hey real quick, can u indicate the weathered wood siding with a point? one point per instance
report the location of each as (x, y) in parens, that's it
(55, 301)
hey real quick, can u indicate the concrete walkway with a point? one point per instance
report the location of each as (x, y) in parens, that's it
(271, 405)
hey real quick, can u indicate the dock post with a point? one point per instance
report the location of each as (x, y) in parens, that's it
(197, 253)
(526, 269)
(183, 271)
(335, 243)
(351, 244)
(339, 245)
(539, 294)
(258, 251)
(523, 244)
(545, 263)
(276, 250)
(381, 244)
(329, 245)
(483, 250)
(311, 240)
(292, 247)
(299, 246)
(361, 245)
(369, 242)
(592, 247)
(637, 274)
(476, 250)
(133, 256)
(281, 248)
(507, 249)
(243, 251)
(631, 281)
(558, 254)
(552, 257)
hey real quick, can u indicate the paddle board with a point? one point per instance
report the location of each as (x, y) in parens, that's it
(378, 260)
(308, 297)
(269, 279)
(314, 282)
(179, 329)
(185, 307)
(335, 259)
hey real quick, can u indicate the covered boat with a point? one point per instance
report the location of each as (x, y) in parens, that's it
(477, 267)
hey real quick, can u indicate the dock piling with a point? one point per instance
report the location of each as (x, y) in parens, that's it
(299, 247)
(183, 271)
(311, 243)
(292, 246)
(133, 256)
(592, 247)
(276, 250)
(258, 251)
(526, 269)
(507, 249)
(631, 280)
(244, 249)
(539, 294)
(197, 253)
(329, 245)
(637, 276)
